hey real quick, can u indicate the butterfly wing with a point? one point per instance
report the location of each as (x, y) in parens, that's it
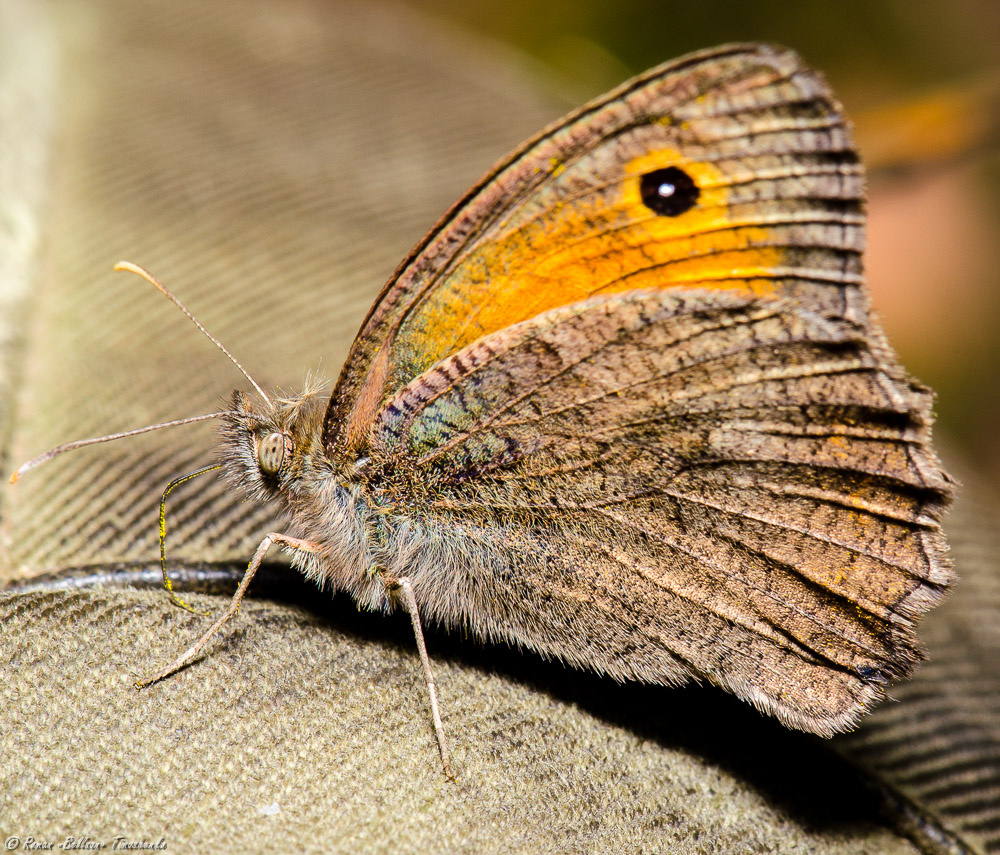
(626, 404)
(659, 485)
(768, 200)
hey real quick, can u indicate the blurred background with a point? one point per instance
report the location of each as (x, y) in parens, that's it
(920, 79)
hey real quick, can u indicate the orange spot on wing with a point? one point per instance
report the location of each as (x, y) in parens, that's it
(605, 242)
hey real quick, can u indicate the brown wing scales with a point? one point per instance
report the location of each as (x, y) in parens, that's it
(683, 484)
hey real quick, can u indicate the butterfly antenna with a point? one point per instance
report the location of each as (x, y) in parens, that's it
(81, 443)
(166, 292)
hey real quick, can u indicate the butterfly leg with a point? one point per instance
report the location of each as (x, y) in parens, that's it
(252, 567)
(405, 589)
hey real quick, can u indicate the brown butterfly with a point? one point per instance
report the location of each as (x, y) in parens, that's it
(627, 406)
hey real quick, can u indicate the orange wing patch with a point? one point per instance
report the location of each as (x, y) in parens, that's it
(604, 241)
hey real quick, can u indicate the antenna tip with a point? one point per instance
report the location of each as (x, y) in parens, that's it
(24, 467)
(126, 265)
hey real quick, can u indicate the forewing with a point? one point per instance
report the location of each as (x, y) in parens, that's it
(778, 210)
(659, 485)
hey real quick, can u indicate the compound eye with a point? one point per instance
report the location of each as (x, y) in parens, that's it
(271, 453)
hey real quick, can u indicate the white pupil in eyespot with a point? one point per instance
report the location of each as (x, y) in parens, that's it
(666, 189)
(271, 453)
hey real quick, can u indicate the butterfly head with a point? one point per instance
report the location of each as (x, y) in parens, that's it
(268, 446)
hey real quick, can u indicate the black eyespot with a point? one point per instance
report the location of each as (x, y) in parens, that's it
(669, 191)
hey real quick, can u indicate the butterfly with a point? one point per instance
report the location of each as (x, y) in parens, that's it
(627, 406)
